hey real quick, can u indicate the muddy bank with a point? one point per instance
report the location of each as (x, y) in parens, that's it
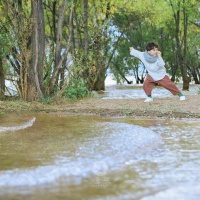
(165, 107)
(168, 107)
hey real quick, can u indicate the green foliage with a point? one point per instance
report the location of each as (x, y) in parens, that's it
(76, 90)
(6, 40)
(139, 21)
(47, 100)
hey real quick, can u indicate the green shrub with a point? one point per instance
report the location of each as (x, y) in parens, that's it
(76, 90)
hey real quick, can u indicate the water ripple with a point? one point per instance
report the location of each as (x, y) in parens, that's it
(113, 146)
(15, 128)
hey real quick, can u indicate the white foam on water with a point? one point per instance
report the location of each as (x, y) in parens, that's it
(180, 192)
(114, 145)
(15, 128)
(189, 191)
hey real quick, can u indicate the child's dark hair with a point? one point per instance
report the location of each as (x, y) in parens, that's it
(151, 45)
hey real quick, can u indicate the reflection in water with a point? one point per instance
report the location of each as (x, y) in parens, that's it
(94, 158)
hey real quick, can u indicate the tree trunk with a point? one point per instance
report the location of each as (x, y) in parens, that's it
(100, 82)
(197, 70)
(59, 46)
(174, 66)
(35, 78)
(59, 34)
(181, 56)
(78, 41)
(2, 79)
(54, 19)
(186, 79)
(59, 61)
(195, 76)
(85, 19)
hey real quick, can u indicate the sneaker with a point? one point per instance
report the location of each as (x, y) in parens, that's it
(148, 99)
(182, 98)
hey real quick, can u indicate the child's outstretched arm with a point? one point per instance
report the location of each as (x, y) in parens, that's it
(135, 53)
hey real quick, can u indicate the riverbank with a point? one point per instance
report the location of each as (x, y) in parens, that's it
(161, 107)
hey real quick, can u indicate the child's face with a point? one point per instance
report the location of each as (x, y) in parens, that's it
(153, 52)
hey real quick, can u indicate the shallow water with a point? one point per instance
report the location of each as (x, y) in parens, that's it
(90, 157)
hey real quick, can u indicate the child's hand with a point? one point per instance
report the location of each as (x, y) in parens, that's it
(131, 48)
(159, 53)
